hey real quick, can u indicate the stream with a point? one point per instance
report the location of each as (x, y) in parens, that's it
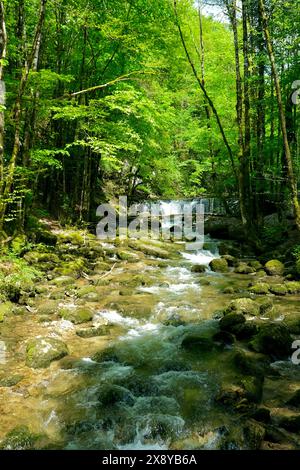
(135, 387)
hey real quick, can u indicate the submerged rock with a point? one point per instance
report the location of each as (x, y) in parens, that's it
(219, 265)
(273, 339)
(19, 438)
(198, 268)
(231, 320)
(40, 352)
(250, 363)
(111, 394)
(274, 267)
(11, 380)
(195, 342)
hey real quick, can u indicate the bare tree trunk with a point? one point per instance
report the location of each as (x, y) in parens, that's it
(288, 155)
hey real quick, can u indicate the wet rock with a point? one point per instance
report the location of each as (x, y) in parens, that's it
(77, 315)
(295, 399)
(243, 305)
(195, 343)
(231, 396)
(63, 281)
(10, 381)
(19, 438)
(224, 337)
(261, 288)
(273, 339)
(6, 308)
(245, 331)
(250, 363)
(274, 267)
(40, 352)
(150, 249)
(72, 237)
(244, 268)
(198, 268)
(262, 415)
(231, 320)
(127, 256)
(286, 419)
(254, 434)
(219, 265)
(110, 395)
(278, 289)
(253, 386)
(94, 331)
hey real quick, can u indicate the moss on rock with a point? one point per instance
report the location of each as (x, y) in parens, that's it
(261, 288)
(40, 352)
(77, 315)
(274, 267)
(219, 265)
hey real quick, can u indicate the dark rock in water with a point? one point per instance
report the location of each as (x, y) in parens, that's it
(286, 419)
(224, 337)
(295, 399)
(262, 415)
(111, 394)
(250, 363)
(19, 438)
(273, 339)
(253, 387)
(244, 331)
(198, 268)
(254, 434)
(231, 260)
(219, 265)
(195, 343)
(230, 320)
(107, 355)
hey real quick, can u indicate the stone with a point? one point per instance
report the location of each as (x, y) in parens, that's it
(224, 337)
(250, 363)
(198, 268)
(230, 320)
(5, 309)
(127, 256)
(11, 380)
(20, 438)
(230, 395)
(219, 265)
(63, 281)
(45, 237)
(40, 352)
(194, 342)
(256, 265)
(274, 267)
(253, 386)
(243, 305)
(295, 399)
(273, 339)
(228, 290)
(262, 415)
(77, 315)
(245, 331)
(243, 268)
(278, 289)
(286, 419)
(94, 331)
(254, 434)
(293, 287)
(110, 395)
(261, 288)
(231, 260)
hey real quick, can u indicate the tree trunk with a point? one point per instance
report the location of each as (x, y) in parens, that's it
(288, 155)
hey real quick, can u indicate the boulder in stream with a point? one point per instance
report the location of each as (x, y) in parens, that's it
(77, 315)
(273, 339)
(274, 267)
(40, 352)
(219, 265)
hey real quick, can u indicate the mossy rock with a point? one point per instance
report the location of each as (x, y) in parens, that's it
(197, 343)
(6, 309)
(48, 307)
(151, 249)
(11, 381)
(77, 315)
(72, 237)
(102, 330)
(127, 256)
(261, 273)
(18, 244)
(19, 438)
(244, 268)
(274, 267)
(261, 288)
(243, 305)
(40, 352)
(273, 339)
(229, 290)
(219, 265)
(254, 434)
(231, 320)
(278, 289)
(198, 268)
(255, 265)
(101, 266)
(231, 260)
(46, 237)
(63, 281)
(295, 399)
(71, 268)
(293, 287)
(37, 257)
(250, 363)
(245, 331)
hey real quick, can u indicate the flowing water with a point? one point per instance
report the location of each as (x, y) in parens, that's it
(144, 391)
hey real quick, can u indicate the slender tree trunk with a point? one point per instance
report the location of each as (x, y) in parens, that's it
(288, 154)
(3, 45)
(10, 170)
